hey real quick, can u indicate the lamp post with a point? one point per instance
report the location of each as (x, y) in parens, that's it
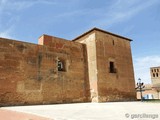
(140, 86)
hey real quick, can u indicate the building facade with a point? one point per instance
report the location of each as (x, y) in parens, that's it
(155, 78)
(96, 66)
(155, 75)
(152, 91)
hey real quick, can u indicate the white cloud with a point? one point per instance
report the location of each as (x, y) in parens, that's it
(21, 4)
(7, 33)
(142, 67)
(123, 10)
(119, 11)
(7, 7)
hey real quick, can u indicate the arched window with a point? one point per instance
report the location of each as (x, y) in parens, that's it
(153, 75)
(157, 74)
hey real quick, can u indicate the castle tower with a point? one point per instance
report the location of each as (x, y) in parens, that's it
(96, 66)
(110, 66)
(155, 75)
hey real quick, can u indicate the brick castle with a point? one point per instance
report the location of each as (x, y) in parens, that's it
(96, 66)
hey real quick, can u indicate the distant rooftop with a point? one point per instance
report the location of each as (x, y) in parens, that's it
(97, 29)
(155, 67)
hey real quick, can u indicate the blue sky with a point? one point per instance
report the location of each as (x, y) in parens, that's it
(139, 20)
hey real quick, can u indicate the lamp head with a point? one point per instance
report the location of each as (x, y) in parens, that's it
(139, 79)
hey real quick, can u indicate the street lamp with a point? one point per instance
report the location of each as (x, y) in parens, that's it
(140, 86)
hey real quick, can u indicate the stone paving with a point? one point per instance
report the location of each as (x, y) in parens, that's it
(14, 115)
(93, 111)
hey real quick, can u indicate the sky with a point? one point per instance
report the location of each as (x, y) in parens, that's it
(27, 20)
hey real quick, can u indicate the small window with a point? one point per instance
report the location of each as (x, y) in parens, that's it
(154, 70)
(157, 74)
(153, 75)
(157, 70)
(112, 67)
(61, 65)
(113, 42)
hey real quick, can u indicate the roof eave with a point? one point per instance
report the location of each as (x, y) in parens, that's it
(101, 31)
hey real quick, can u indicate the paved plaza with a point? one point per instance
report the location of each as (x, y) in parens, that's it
(90, 111)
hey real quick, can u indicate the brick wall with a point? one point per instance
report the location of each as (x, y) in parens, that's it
(29, 72)
(103, 48)
(118, 83)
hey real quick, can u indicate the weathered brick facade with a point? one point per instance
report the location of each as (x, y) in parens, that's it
(97, 66)
(155, 76)
(104, 49)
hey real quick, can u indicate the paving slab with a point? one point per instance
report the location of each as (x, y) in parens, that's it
(14, 115)
(94, 111)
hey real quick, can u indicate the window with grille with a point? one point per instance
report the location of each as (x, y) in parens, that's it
(61, 65)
